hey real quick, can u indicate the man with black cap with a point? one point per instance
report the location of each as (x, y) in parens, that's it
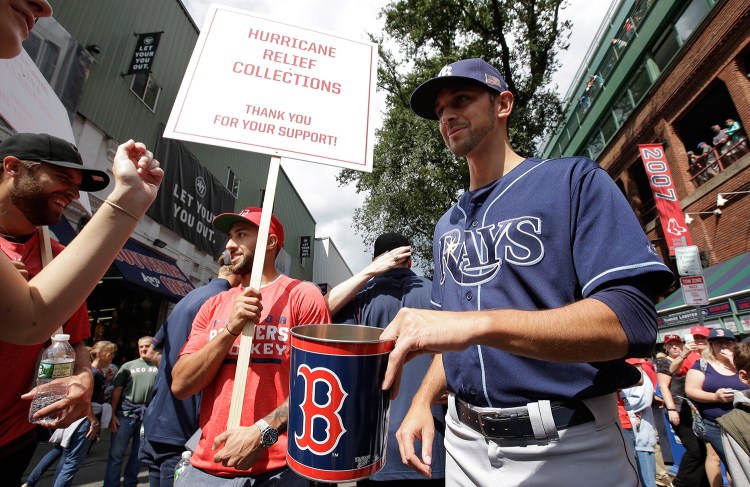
(255, 451)
(543, 286)
(372, 297)
(41, 175)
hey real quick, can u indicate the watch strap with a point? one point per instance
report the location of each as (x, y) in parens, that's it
(262, 424)
(268, 434)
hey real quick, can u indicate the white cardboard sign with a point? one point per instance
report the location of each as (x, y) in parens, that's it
(263, 85)
(28, 102)
(694, 290)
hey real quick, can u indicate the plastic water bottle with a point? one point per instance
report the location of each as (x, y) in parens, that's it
(182, 465)
(52, 378)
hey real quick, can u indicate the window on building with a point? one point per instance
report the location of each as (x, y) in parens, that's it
(48, 58)
(233, 183)
(44, 53)
(622, 108)
(639, 85)
(691, 19)
(665, 48)
(564, 137)
(146, 89)
(595, 145)
(608, 127)
(714, 106)
(608, 64)
(32, 45)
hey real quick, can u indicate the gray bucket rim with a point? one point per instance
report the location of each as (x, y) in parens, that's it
(304, 336)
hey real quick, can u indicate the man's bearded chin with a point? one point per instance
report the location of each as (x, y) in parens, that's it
(244, 266)
(34, 205)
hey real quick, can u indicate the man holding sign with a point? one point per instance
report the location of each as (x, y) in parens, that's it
(257, 449)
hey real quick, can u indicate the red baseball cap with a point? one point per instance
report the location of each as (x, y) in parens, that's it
(672, 337)
(250, 214)
(635, 361)
(700, 331)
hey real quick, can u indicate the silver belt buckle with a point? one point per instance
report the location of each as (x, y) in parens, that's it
(482, 417)
(497, 416)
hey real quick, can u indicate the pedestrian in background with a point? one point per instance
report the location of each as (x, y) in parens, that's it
(132, 394)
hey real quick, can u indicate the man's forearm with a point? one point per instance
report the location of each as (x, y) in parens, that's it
(337, 297)
(663, 381)
(193, 372)
(434, 384)
(676, 364)
(594, 332)
(279, 417)
(597, 334)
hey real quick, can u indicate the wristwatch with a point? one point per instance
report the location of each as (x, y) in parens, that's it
(268, 434)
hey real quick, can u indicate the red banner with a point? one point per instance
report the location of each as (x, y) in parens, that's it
(665, 196)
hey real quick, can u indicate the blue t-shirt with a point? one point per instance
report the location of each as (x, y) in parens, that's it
(376, 305)
(169, 420)
(547, 234)
(712, 383)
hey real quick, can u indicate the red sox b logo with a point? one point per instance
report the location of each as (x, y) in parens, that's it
(328, 412)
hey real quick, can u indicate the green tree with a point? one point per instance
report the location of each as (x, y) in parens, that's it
(415, 178)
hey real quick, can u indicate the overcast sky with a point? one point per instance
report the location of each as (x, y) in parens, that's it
(333, 206)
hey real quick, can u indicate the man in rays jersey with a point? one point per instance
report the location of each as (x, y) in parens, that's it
(543, 287)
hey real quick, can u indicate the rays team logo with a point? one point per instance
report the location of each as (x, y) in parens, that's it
(320, 440)
(475, 256)
(446, 71)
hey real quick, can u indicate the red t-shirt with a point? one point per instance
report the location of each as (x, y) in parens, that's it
(650, 371)
(286, 303)
(14, 412)
(623, 414)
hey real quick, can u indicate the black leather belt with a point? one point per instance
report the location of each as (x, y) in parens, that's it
(518, 425)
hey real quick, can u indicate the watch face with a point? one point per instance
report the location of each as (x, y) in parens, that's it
(270, 437)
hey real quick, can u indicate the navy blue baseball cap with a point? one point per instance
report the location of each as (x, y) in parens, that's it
(721, 334)
(474, 70)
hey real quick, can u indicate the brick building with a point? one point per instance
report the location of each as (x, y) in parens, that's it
(666, 72)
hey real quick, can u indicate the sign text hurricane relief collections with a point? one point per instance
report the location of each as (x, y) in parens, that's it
(267, 86)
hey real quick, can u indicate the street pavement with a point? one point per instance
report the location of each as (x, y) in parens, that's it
(91, 473)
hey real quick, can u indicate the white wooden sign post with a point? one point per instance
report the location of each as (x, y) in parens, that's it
(264, 85)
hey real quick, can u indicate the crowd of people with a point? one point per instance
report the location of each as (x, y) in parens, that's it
(519, 349)
(727, 146)
(697, 380)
